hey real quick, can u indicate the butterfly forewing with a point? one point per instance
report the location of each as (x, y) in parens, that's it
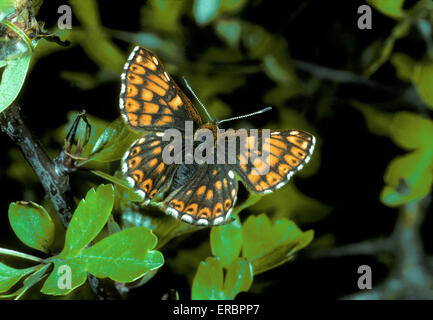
(149, 98)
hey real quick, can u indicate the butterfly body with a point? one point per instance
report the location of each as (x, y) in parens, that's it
(198, 193)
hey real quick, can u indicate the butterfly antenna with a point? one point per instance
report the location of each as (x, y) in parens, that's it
(195, 96)
(244, 116)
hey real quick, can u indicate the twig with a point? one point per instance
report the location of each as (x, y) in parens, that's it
(53, 178)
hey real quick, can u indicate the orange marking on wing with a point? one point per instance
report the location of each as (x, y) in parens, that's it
(131, 105)
(148, 64)
(218, 185)
(299, 142)
(164, 120)
(133, 119)
(134, 151)
(249, 144)
(155, 88)
(137, 69)
(225, 182)
(253, 177)
(160, 167)
(153, 162)
(134, 79)
(177, 204)
(205, 213)
(152, 194)
(188, 192)
(293, 161)
(162, 102)
(137, 175)
(134, 162)
(192, 209)
(298, 152)
(209, 195)
(244, 167)
(167, 111)
(278, 143)
(272, 160)
(242, 159)
(273, 178)
(145, 119)
(260, 165)
(157, 150)
(147, 185)
(176, 102)
(283, 169)
(150, 107)
(159, 81)
(147, 94)
(264, 185)
(272, 149)
(201, 190)
(131, 90)
(214, 172)
(233, 193)
(227, 204)
(218, 210)
(155, 143)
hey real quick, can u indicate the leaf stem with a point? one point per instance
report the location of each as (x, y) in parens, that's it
(20, 255)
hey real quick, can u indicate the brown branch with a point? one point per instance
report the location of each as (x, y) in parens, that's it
(53, 177)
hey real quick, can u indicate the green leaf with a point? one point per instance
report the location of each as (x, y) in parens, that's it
(408, 177)
(404, 66)
(208, 281)
(411, 131)
(423, 80)
(226, 241)
(377, 122)
(64, 269)
(267, 245)
(205, 10)
(112, 144)
(163, 15)
(12, 80)
(390, 8)
(229, 31)
(124, 256)
(32, 224)
(30, 281)
(239, 278)
(10, 276)
(88, 220)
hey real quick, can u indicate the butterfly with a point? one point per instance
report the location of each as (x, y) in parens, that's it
(202, 194)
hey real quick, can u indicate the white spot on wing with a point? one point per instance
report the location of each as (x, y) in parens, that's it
(166, 76)
(273, 133)
(172, 212)
(186, 218)
(281, 184)
(131, 182)
(218, 220)
(155, 60)
(202, 222)
(231, 174)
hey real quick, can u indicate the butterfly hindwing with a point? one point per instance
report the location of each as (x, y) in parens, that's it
(144, 167)
(149, 98)
(206, 198)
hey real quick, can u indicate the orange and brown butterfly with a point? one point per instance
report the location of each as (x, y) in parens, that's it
(200, 194)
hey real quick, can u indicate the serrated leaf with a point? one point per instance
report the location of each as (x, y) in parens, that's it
(88, 220)
(12, 80)
(268, 245)
(208, 281)
(112, 144)
(10, 276)
(32, 224)
(124, 256)
(239, 278)
(226, 241)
